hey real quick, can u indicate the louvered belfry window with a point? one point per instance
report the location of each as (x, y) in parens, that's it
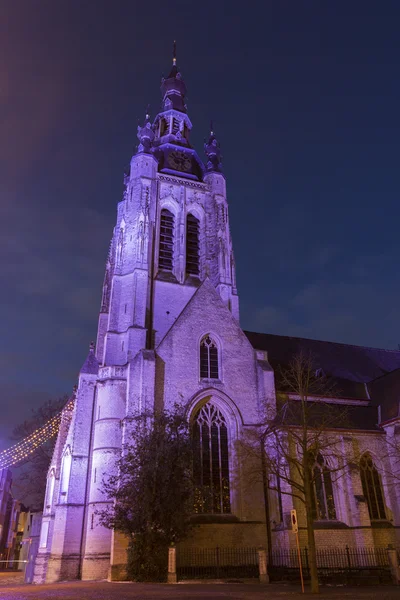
(175, 125)
(372, 488)
(211, 461)
(192, 245)
(166, 250)
(208, 358)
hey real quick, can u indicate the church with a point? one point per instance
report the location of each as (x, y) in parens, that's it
(168, 332)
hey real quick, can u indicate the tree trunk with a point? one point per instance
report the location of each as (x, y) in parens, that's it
(312, 554)
(266, 501)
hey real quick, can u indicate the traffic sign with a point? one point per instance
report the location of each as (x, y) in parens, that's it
(293, 519)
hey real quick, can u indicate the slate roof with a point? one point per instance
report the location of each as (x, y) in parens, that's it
(350, 366)
(331, 415)
(359, 373)
(385, 391)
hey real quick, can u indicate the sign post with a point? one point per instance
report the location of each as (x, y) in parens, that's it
(295, 529)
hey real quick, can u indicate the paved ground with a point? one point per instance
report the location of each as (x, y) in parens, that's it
(12, 589)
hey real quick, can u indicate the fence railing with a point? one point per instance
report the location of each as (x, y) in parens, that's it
(362, 562)
(340, 558)
(217, 563)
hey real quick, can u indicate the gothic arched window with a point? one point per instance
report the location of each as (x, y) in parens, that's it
(211, 461)
(208, 358)
(323, 502)
(65, 475)
(49, 491)
(192, 245)
(166, 250)
(372, 488)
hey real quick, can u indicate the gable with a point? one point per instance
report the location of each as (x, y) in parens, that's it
(205, 313)
(178, 356)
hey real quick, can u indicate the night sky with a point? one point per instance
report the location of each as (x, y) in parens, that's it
(305, 99)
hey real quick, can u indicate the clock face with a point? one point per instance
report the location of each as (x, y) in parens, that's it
(179, 161)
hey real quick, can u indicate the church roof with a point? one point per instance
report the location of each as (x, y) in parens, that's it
(351, 366)
(385, 391)
(331, 415)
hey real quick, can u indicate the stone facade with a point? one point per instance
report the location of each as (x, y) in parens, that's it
(155, 314)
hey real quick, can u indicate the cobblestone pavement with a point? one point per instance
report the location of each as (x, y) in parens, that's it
(136, 591)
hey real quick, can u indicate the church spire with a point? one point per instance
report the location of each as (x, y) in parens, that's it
(173, 88)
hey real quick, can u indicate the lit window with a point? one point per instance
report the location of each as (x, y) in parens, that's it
(49, 491)
(211, 461)
(65, 475)
(208, 358)
(44, 534)
(192, 245)
(166, 251)
(323, 502)
(372, 488)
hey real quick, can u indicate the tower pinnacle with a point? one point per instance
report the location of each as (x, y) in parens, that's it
(213, 152)
(145, 133)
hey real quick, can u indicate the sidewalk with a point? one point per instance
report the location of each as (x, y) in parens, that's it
(138, 591)
(11, 578)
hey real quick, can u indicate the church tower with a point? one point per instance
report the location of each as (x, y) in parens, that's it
(168, 331)
(172, 233)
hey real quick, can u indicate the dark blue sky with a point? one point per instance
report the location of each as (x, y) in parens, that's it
(305, 100)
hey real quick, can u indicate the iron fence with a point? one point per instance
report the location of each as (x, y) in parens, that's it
(347, 565)
(217, 563)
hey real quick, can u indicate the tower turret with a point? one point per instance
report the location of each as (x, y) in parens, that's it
(145, 135)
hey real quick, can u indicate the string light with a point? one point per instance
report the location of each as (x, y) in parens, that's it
(27, 446)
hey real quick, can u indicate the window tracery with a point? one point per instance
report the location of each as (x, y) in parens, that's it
(166, 248)
(211, 461)
(323, 502)
(192, 245)
(209, 368)
(372, 488)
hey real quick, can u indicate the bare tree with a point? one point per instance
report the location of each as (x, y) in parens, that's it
(29, 477)
(299, 445)
(390, 454)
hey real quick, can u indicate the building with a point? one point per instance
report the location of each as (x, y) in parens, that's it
(30, 543)
(12, 521)
(5, 499)
(169, 331)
